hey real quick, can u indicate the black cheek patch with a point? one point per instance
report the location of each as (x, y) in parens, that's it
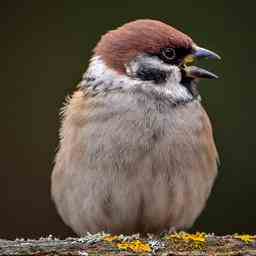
(147, 73)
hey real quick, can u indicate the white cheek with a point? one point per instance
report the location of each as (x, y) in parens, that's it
(174, 88)
(100, 76)
(175, 75)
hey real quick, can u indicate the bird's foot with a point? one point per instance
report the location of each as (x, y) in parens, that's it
(170, 231)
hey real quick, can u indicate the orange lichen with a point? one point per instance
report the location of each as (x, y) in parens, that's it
(198, 237)
(110, 238)
(246, 238)
(198, 240)
(135, 246)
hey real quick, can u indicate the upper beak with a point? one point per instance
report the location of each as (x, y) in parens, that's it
(201, 52)
(195, 72)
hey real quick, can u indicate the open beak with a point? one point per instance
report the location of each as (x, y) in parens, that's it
(196, 72)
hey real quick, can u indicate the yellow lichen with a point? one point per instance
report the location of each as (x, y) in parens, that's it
(246, 238)
(135, 246)
(109, 238)
(198, 237)
(197, 240)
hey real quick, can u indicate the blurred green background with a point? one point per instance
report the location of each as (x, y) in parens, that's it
(46, 48)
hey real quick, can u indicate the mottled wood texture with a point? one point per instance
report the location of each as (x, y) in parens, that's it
(101, 244)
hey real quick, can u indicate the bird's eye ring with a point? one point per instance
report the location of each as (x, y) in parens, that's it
(169, 53)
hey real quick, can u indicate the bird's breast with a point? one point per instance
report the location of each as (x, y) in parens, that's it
(130, 163)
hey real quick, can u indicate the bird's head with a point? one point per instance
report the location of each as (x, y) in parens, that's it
(151, 53)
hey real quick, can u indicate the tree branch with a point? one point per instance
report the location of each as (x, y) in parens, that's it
(165, 245)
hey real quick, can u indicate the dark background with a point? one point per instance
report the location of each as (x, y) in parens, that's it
(44, 51)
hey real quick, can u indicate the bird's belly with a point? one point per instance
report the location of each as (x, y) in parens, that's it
(146, 173)
(144, 205)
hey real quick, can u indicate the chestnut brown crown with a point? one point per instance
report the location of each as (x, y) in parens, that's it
(118, 47)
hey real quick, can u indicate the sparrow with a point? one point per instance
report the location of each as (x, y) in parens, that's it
(136, 151)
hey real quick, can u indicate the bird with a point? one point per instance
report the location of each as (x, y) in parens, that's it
(136, 151)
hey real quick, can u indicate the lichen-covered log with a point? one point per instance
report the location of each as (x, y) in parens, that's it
(104, 244)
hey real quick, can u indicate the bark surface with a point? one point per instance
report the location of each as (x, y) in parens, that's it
(104, 244)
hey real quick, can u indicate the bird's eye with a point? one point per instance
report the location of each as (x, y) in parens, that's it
(168, 54)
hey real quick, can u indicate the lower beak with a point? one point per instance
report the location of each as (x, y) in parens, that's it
(196, 72)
